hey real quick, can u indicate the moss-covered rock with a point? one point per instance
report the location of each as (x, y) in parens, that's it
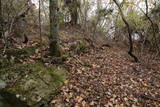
(80, 46)
(20, 53)
(55, 50)
(33, 84)
(4, 61)
(60, 57)
(12, 56)
(10, 100)
(39, 43)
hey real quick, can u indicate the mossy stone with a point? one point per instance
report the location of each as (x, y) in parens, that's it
(81, 46)
(35, 84)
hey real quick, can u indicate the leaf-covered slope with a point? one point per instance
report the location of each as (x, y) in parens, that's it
(106, 77)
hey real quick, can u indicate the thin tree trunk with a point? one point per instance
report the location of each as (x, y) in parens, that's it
(74, 12)
(153, 26)
(99, 4)
(40, 28)
(130, 52)
(146, 3)
(1, 20)
(54, 45)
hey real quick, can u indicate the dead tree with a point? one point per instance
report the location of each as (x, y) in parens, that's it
(130, 52)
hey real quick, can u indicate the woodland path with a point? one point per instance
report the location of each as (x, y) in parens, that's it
(105, 77)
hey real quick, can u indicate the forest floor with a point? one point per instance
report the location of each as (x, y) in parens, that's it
(101, 76)
(106, 77)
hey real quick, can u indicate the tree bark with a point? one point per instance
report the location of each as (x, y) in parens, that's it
(146, 3)
(54, 45)
(40, 28)
(1, 20)
(99, 4)
(130, 52)
(74, 12)
(154, 26)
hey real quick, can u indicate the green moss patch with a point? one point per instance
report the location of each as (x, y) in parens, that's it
(20, 53)
(39, 43)
(80, 47)
(13, 56)
(35, 84)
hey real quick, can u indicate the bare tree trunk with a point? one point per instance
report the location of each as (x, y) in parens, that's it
(146, 3)
(154, 26)
(99, 4)
(74, 12)
(54, 45)
(1, 20)
(40, 28)
(130, 52)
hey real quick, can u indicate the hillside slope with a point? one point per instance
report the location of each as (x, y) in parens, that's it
(99, 73)
(106, 77)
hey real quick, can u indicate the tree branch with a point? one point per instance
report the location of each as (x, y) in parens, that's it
(130, 52)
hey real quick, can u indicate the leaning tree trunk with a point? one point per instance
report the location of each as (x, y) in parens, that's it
(130, 52)
(54, 45)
